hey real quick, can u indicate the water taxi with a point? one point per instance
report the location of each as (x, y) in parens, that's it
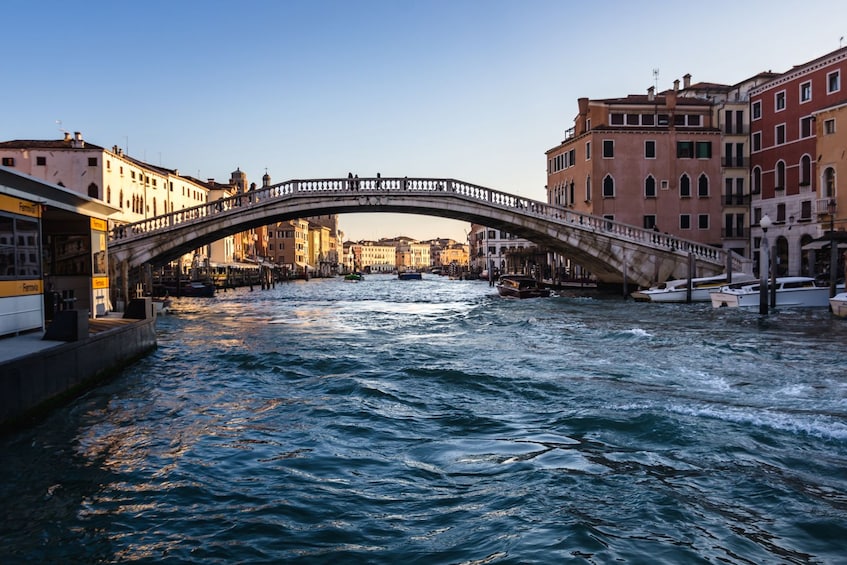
(677, 290)
(520, 286)
(800, 292)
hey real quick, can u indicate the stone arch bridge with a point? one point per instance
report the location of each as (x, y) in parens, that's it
(612, 251)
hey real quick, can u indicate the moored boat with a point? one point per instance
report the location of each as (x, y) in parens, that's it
(838, 304)
(520, 286)
(800, 292)
(354, 277)
(409, 276)
(677, 290)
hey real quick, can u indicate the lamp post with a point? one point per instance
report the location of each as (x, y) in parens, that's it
(764, 260)
(833, 251)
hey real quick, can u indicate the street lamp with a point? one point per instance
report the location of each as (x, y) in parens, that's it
(833, 251)
(764, 259)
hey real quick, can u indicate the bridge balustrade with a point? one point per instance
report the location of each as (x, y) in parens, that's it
(449, 187)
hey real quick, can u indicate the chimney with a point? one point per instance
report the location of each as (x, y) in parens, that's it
(67, 136)
(651, 93)
(77, 142)
(580, 126)
(686, 80)
(676, 85)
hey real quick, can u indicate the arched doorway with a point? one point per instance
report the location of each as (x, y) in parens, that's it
(781, 256)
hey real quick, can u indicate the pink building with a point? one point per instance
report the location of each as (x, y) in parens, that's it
(649, 160)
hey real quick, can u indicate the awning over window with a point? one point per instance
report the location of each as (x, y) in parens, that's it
(815, 245)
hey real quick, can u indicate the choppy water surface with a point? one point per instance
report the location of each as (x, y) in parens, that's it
(432, 422)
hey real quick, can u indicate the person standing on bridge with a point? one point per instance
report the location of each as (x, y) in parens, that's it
(378, 180)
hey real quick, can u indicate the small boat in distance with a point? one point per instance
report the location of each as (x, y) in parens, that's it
(520, 286)
(677, 290)
(800, 292)
(354, 277)
(838, 304)
(409, 276)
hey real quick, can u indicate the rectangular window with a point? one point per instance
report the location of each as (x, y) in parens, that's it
(806, 127)
(684, 149)
(663, 119)
(756, 109)
(779, 133)
(41, 161)
(703, 221)
(649, 149)
(833, 82)
(684, 222)
(587, 150)
(608, 149)
(757, 141)
(616, 119)
(829, 126)
(779, 101)
(679, 119)
(8, 161)
(704, 149)
(806, 210)
(649, 222)
(632, 119)
(647, 120)
(92, 161)
(694, 120)
(806, 91)
(727, 121)
(739, 121)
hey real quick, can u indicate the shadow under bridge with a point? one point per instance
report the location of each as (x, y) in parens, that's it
(610, 250)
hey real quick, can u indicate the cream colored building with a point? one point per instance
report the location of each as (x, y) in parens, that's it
(378, 257)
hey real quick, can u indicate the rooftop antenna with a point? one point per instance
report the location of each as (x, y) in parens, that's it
(656, 79)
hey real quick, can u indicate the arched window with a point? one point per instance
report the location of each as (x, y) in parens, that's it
(779, 180)
(703, 186)
(756, 181)
(109, 194)
(805, 170)
(650, 187)
(93, 191)
(684, 186)
(121, 200)
(829, 182)
(608, 187)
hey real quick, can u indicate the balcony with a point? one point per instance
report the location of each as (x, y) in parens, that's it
(736, 199)
(822, 206)
(734, 234)
(729, 162)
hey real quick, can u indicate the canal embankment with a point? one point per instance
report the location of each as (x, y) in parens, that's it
(42, 370)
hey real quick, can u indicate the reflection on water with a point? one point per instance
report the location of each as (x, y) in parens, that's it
(433, 421)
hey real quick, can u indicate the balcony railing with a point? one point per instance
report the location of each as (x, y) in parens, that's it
(822, 206)
(736, 199)
(734, 234)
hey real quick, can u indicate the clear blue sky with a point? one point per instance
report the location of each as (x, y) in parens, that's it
(476, 90)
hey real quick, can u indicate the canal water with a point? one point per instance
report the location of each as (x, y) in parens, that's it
(431, 421)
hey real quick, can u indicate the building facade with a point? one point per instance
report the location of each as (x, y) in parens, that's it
(652, 161)
(791, 183)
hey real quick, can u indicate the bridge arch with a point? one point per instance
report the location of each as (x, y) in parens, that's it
(612, 251)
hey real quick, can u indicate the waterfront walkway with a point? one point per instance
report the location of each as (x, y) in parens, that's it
(24, 344)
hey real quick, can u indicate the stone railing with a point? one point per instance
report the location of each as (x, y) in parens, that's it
(429, 186)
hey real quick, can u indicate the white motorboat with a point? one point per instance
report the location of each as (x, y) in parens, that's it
(799, 292)
(677, 290)
(838, 304)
